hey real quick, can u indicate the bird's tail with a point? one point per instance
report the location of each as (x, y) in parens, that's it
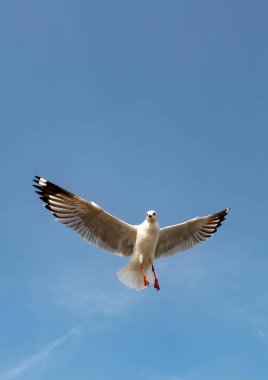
(131, 276)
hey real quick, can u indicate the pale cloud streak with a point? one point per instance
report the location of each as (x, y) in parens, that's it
(78, 291)
(89, 302)
(31, 361)
(189, 375)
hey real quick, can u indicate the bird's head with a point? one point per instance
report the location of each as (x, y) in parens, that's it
(151, 216)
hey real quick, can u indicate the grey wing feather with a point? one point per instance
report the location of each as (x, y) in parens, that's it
(87, 218)
(183, 236)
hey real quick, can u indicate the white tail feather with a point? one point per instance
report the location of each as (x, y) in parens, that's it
(131, 276)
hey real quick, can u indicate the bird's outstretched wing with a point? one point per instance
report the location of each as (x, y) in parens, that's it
(183, 236)
(87, 218)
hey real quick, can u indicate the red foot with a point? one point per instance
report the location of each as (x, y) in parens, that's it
(156, 285)
(146, 282)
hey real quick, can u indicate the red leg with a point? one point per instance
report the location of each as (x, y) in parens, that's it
(146, 282)
(156, 284)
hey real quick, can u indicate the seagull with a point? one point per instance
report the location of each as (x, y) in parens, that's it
(141, 243)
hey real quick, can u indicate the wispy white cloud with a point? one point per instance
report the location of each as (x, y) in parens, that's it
(251, 315)
(260, 325)
(91, 302)
(78, 291)
(189, 375)
(201, 269)
(31, 361)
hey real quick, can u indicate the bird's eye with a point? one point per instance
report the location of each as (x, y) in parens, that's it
(153, 213)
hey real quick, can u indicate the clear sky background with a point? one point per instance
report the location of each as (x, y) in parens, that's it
(135, 105)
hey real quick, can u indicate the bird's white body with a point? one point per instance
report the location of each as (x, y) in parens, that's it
(143, 254)
(146, 241)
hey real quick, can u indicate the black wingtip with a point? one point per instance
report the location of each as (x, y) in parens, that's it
(37, 187)
(44, 199)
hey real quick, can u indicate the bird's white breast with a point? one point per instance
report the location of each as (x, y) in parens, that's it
(146, 240)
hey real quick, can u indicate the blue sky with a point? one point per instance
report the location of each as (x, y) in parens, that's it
(135, 105)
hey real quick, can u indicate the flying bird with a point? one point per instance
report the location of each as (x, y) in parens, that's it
(142, 243)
